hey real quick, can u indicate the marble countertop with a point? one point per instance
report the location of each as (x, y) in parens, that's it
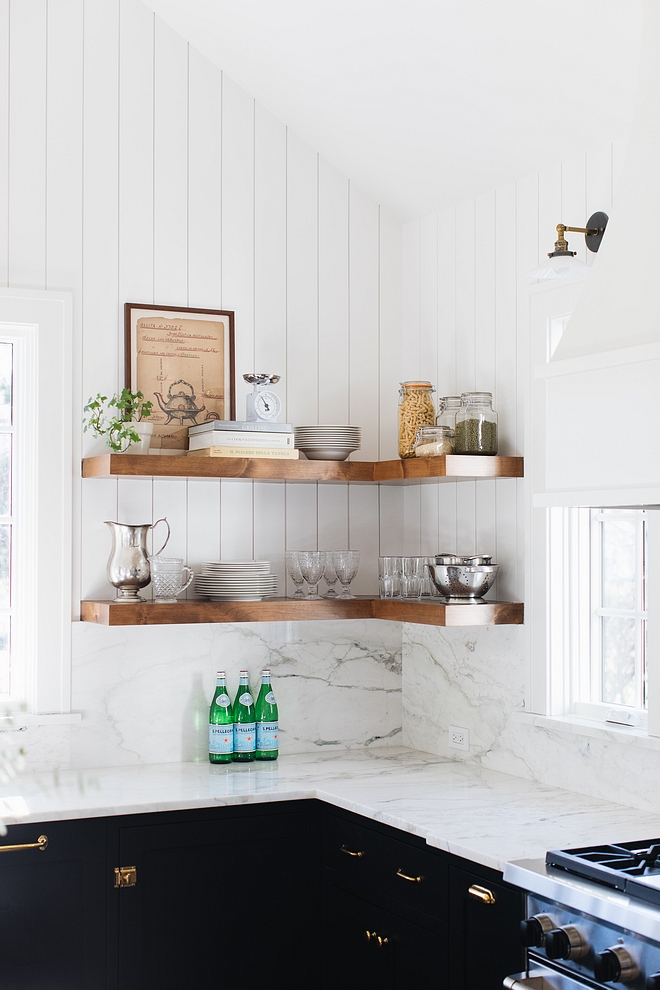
(484, 816)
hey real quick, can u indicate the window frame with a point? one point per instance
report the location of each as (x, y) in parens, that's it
(43, 328)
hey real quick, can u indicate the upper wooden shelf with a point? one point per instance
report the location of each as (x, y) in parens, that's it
(451, 467)
(429, 612)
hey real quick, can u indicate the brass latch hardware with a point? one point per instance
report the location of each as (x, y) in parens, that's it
(378, 939)
(41, 844)
(125, 876)
(403, 876)
(349, 853)
(482, 894)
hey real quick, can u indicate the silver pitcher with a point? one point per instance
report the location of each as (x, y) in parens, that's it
(128, 566)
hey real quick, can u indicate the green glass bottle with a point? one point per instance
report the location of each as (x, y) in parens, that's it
(244, 722)
(221, 723)
(267, 725)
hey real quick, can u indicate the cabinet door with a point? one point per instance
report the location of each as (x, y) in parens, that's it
(483, 937)
(371, 948)
(216, 902)
(53, 907)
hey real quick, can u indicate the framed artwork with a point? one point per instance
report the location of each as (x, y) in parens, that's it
(183, 361)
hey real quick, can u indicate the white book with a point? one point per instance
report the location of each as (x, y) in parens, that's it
(239, 439)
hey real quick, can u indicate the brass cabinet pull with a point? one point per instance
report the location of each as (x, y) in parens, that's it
(349, 852)
(412, 879)
(379, 939)
(482, 894)
(41, 843)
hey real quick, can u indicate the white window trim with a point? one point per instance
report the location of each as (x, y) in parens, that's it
(550, 635)
(44, 682)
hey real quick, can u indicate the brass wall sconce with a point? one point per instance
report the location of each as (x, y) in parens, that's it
(563, 263)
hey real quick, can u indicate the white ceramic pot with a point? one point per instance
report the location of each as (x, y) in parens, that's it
(144, 431)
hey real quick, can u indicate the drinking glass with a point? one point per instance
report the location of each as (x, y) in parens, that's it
(167, 578)
(294, 572)
(330, 575)
(312, 565)
(389, 577)
(346, 565)
(412, 573)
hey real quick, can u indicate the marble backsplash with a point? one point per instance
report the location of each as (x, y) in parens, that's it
(474, 678)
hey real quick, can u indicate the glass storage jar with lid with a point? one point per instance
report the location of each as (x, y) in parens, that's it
(431, 441)
(476, 424)
(448, 406)
(416, 409)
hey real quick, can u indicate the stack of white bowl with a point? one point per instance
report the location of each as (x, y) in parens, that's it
(327, 443)
(236, 580)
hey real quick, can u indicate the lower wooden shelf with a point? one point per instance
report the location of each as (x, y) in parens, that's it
(429, 612)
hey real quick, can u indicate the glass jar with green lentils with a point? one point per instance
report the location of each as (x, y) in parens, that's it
(476, 424)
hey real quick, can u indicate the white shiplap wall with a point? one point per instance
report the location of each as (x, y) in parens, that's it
(132, 169)
(466, 326)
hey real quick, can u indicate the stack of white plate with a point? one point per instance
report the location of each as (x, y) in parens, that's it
(327, 443)
(236, 580)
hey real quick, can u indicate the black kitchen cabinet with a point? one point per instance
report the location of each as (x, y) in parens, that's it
(53, 907)
(483, 930)
(216, 894)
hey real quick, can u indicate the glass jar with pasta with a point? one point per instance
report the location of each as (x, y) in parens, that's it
(416, 409)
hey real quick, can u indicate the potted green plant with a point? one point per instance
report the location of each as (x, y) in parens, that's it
(119, 420)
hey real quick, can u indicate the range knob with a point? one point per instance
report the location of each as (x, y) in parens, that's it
(615, 965)
(533, 930)
(565, 943)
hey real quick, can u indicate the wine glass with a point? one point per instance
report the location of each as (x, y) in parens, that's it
(330, 575)
(312, 564)
(293, 569)
(346, 564)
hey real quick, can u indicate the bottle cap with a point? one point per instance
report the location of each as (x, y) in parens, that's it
(242, 673)
(221, 673)
(265, 672)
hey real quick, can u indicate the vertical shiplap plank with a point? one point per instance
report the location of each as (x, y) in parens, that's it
(574, 201)
(411, 316)
(170, 233)
(136, 154)
(507, 386)
(333, 517)
(364, 536)
(466, 514)
(599, 184)
(64, 132)
(4, 142)
(270, 315)
(363, 311)
(170, 229)
(390, 332)
(204, 132)
(203, 539)
(100, 273)
(391, 510)
(333, 302)
(465, 297)
(549, 209)
(446, 373)
(27, 143)
(429, 514)
(428, 306)
(412, 514)
(238, 288)
(485, 354)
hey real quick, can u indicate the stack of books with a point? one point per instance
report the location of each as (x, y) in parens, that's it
(226, 438)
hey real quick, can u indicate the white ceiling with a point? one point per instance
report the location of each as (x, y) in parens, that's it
(423, 103)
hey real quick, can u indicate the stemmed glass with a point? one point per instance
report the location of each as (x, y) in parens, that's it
(330, 575)
(312, 564)
(346, 563)
(294, 571)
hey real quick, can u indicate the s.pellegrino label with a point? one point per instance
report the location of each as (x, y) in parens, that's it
(244, 722)
(267, 721)
(221, 723)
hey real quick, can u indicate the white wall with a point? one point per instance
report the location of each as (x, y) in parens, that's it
(467, 313)
(132, 169)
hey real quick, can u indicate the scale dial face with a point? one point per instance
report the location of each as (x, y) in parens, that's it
(267, 405)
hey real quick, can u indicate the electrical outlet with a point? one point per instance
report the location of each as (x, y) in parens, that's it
(459, 738)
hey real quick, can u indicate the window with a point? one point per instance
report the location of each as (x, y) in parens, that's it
(36, 474)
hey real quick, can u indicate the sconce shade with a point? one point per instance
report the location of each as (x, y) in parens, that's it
(567, 268)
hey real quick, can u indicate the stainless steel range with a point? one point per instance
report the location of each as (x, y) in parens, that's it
(592, 919)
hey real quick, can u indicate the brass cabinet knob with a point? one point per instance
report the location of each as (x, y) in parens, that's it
(482, 894)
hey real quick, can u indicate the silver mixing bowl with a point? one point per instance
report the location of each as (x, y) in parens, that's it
(463, 580)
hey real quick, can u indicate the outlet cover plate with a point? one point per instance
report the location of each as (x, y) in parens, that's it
(459, 738)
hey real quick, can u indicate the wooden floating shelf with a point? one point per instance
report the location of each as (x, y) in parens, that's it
(430, 613)
(450, 467)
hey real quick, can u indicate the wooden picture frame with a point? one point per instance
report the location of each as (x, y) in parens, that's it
(188, 385)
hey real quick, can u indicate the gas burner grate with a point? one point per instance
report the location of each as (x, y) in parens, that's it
(613, 865)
